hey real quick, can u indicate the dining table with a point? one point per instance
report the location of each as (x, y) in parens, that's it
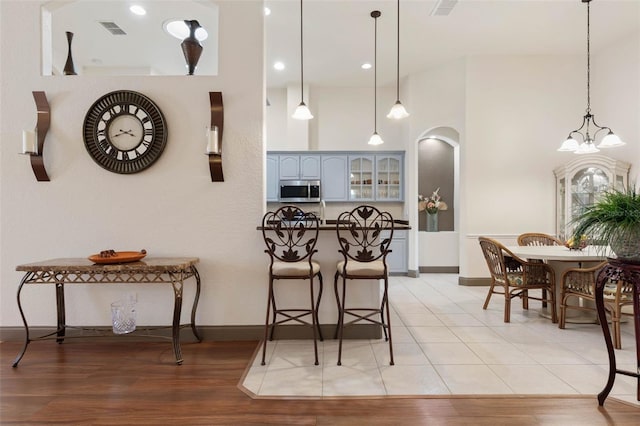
(561, 258)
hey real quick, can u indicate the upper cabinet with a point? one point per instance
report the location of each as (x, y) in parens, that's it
(361, 177)
(581, 182)
(351, 176)
(335, 177)
(388, 177)
(299, 167)
(273, 171)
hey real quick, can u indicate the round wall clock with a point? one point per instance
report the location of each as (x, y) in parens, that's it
(124, 132)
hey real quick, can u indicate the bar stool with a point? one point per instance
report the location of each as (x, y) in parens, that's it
(364, 254)
(291, 235)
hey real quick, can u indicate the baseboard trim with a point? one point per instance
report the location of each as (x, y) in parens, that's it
(208, 333)
(440, 269)
(474, 281)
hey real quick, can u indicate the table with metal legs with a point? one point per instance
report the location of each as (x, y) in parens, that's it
(629, 272)
(63, 272)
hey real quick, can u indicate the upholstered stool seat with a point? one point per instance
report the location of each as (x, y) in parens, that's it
(366, 269)
(294, 269)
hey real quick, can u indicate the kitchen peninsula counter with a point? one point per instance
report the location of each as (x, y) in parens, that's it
(330, 225)
(361, 293)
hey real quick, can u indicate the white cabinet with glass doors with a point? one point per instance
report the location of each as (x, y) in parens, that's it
(580, 183)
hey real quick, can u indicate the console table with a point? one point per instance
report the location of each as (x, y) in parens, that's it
(159, 270)
(629, 272)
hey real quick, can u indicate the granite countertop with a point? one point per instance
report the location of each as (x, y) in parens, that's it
(330, 225)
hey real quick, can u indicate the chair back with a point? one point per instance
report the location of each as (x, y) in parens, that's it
(493, 252)
(538, 239)
(359, 234)
(290, 234)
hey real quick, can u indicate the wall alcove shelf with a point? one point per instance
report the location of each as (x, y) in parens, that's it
(217, 121)
(42, 126)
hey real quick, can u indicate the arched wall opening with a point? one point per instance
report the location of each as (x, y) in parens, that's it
(439, 167)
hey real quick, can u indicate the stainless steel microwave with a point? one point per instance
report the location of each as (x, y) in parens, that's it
(299, 191)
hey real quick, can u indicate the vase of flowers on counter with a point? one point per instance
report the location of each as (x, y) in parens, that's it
(431, 205)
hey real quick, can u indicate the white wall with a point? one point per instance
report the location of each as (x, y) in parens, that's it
(518, 110)
(434, 98)
(343, 120)
(170, 209)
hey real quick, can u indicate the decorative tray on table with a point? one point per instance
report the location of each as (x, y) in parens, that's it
(112, 256)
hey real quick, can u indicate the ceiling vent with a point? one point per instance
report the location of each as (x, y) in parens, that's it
(443, 7)
(112, 27)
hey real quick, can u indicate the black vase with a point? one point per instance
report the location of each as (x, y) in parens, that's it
(68, 66)
(191, 47)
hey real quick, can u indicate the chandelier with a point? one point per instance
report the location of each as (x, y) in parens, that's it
(588, 146)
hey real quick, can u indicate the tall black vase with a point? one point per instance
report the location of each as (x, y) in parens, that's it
(68, 66)
(191, 47)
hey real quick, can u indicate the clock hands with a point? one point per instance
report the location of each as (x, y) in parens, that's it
(124, 132)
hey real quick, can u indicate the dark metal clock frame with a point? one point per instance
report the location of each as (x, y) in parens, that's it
(145, 142)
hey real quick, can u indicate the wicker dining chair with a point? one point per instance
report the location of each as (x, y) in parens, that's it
(580, 283)
(537, 239)
(364, 251)
(517, 278)
(290, 235)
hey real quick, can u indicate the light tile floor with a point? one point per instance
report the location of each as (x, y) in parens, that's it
(446, 344)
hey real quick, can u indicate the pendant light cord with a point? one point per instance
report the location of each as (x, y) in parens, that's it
(398, 57)
(588, 60)
(375, 74)
(301, 59)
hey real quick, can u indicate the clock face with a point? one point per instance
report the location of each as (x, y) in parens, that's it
(124, 132)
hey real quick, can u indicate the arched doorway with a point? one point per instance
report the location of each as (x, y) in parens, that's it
(438, 167)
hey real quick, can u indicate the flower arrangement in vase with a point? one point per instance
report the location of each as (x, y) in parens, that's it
(431, 204)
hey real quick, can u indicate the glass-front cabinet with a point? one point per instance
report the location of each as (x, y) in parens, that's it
(581, 182)
(361, 178)
(388, 178)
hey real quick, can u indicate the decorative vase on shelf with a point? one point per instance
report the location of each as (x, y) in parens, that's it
(191, 47)
(68, 66)
(432, 222)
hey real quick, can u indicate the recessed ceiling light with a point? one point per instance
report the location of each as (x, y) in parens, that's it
(279, 66)
(178, 29)
(138, 10)
(366, 66)
(267, 11)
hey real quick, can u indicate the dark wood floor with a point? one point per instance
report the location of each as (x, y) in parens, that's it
(127, 382)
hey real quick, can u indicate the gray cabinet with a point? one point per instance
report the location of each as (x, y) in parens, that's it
(397, 259)
(335, 177)
(299, 166)
(273, 172)
(361, 177)
(351, 176)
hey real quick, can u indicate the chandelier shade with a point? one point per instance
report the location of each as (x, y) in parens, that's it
(587, 146)
(302, 111)
(375, 139)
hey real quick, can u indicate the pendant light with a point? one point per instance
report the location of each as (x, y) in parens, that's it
(375, 138)
(398, 110)
(587, 146)
(302, 111)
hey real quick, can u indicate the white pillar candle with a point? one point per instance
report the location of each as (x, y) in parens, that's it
(213, 144)
(29, 142)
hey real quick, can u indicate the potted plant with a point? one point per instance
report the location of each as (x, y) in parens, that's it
(613, 220)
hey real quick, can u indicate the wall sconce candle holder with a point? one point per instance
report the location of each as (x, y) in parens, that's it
(214, 137)
(33, 141)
